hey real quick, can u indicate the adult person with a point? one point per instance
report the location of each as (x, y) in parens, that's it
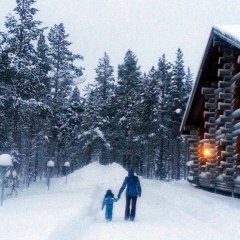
(132, 192)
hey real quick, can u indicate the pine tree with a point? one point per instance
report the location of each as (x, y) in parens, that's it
(20, 58)
(188, 85)
(164, 75)
(63, 72)
(176, 107)
(127, 100)
(19, 40)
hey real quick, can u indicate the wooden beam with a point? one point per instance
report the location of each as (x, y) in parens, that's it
(224, 72)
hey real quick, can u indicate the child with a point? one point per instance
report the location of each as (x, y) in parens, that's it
(108, 201)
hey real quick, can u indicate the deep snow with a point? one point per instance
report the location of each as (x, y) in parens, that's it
(72, 211)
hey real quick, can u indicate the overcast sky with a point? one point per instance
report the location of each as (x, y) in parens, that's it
(150, 28)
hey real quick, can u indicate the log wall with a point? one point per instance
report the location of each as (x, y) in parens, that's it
(221, 132)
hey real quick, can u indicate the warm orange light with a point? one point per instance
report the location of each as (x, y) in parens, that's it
(206, 152)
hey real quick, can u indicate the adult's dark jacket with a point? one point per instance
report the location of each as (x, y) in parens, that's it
(133, 186)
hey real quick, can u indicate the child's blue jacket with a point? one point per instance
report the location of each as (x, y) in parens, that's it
(109, 200)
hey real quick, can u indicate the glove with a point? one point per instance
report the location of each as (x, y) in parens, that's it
(139, 194)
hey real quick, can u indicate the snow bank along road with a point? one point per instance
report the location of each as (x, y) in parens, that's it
(72, 211)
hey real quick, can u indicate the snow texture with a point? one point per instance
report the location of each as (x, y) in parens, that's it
(5, 160)
(50, 163)
(72, 211)
(230, 31)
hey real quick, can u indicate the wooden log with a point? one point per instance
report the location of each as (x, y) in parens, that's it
(223, 95)
(224, 119)
(228, 124)
(218, 122)
(209, 95)
(208, 105)
(225, 154)
(205, 90)
(221, 136)
(229, 148)
(235, 84)
(227, 79)
(223, 106)
(222, 60)
(227, 113)
(208, 136)
(228, 136)
(222, 84)
(209, 125)
(236, 133)
(192, 140)
(208, 114)
(236, 113)
(238, 59)
(225, 130)
(228, 66)
(218, 90)
(212, 130)
(225, 165)
(218, 132)
(224, 142)
(224, 73)
(236, 126)
(236, 78)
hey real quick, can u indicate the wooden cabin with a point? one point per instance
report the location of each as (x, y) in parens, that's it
(211, 121)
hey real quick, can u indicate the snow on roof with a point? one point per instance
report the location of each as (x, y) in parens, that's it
(5, 160)
(230, 31)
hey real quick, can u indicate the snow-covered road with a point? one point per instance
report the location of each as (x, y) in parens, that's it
(72, 211)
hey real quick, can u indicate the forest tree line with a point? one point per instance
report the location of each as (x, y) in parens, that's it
(132, 119)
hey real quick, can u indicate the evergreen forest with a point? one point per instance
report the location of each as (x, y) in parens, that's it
(132, 119)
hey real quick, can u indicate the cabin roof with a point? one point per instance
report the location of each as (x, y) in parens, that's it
(207, 74)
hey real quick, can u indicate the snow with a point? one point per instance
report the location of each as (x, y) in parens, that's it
(5, 160)
(230, 30)
(67, 164)
(167, 210)
(178, 111)
(50, 163)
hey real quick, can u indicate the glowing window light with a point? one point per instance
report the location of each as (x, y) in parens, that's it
(207, 152)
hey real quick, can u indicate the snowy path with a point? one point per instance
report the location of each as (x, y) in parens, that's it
(166, 211)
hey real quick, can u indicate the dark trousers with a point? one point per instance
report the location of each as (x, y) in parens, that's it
(108, 212)
(131, 202)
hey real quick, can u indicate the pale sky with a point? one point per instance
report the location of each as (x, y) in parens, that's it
(149, 28)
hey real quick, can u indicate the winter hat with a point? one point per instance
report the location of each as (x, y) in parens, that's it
(109, 191)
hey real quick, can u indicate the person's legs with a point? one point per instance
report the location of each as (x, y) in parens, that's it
(108, 214)
(133, 209)
(127, 209)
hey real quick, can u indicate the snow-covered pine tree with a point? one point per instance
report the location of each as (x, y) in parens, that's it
(63, 73)
(149, 123)
(164, 75)
(104, 86)
(127, 99)
(73, 124)
(176, 108)
(22, 33)
(19, 45)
